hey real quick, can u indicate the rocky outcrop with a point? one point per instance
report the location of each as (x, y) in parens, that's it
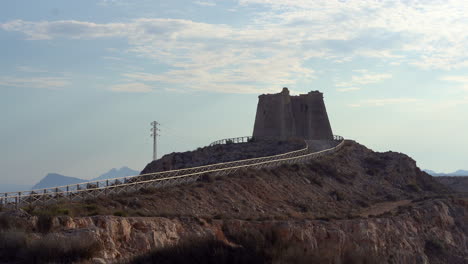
(430, 231)
(352, 204)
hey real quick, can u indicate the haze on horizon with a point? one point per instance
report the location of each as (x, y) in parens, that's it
(80, 81)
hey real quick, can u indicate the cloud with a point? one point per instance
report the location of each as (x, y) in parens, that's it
(114, 2)
(420, 33)
(348, 89)
(277, 45)
(30, 69)
(35, 82)
(385, 102)
(203, 3)
(65, 28)
(133, 87)
(112, 58)
(212, 72)
(363, 79)
(389, 101)
(462, 80)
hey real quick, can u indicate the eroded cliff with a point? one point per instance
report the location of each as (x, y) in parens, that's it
(354, 205)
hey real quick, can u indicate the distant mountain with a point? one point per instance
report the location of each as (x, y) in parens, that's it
(117, 173)
(456, 173)
(54, 179)
(14, 187)
(460, 173)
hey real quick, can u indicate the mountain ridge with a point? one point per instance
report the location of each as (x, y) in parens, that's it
(55, 179)
(455, 173)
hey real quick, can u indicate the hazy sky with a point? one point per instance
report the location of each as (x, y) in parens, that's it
(80, 81)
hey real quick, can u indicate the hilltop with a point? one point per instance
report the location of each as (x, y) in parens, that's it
(353, 204)
(223, 153)
(335, 186)
(55, 179)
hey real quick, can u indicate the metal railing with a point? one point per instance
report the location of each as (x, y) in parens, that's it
(244, 139)
(158, 179)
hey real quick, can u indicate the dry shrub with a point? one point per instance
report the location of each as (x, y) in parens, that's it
(6, 222)
(120, 213)
(44, 223)
(207, 177)
(55, 249)
(256, 246)
(17, 247)
(148, 190)
(201, 251)
(11, 244)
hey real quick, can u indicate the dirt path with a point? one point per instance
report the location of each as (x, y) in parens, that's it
(380, 208)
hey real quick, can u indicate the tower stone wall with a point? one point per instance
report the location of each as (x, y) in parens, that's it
(281, 116)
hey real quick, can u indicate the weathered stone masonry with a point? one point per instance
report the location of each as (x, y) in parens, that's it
(281, 116)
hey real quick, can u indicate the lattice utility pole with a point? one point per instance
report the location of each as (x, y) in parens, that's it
(154, 134)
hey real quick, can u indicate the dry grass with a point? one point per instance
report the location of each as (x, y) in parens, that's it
(254, 247)
(20, 247)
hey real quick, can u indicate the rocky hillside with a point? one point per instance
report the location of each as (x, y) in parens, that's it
(353, 206)
(222, 153)
(456, 183)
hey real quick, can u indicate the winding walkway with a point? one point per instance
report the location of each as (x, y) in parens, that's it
(87, 190)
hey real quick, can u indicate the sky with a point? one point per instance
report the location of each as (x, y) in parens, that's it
(81, 81)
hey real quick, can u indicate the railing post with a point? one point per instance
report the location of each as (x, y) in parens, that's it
(186, 175)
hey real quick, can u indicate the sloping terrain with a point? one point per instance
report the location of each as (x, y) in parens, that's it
(353, 206)
(222, 153)
(456, 183)
(334, 186)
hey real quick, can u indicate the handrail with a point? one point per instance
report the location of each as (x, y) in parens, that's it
(155, 173)
(280, 158)
(232, 140)
(205, 172)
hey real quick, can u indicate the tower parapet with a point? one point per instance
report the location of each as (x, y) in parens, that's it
(281, 116)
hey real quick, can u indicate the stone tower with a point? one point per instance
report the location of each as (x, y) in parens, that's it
(281, 116)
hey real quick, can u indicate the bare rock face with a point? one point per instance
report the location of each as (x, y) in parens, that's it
(119, 236)
(432, 231)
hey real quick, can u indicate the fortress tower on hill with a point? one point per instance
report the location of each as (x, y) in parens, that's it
(281, 116)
